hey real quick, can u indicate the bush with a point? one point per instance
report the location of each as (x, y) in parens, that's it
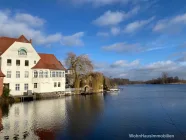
(6, 92)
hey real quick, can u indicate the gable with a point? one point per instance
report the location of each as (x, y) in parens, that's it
(6, 42)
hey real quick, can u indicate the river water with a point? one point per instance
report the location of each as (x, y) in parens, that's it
(137, 109)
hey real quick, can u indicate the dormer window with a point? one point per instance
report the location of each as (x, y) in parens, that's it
(22, 52)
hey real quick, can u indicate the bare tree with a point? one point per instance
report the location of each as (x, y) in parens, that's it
(164, 77)
(79, 65)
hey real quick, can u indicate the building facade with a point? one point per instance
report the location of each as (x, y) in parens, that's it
(25, 70)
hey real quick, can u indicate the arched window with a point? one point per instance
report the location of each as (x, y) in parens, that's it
(22, 52)
(46, 74)
(41, 74)
(35, 74)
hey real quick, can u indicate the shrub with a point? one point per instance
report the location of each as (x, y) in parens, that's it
(6, 92)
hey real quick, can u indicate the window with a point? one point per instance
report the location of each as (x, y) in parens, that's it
(53, 74)
(26, 63)
(34, 62)
(26, 87)
(17, 62)
(22, 52)
(8, 74)
(9, 62)
(35, 74)
(55, 84)
(35, 85)
(26, 74)
(57, 74)
(63, 74)
(17, 74)
(46, 74)
(41, 74)
(60, 74)
(17, 87)
(59, 84)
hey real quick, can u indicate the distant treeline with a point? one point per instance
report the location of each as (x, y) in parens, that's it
(164, 79)
(167, 80)
(120, 81)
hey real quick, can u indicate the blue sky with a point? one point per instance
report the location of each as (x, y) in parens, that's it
(136, 39)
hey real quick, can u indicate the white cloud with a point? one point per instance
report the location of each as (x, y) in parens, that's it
(100, 65)
(161, 66)
(29, 19)
(48, 39)
(134, 26)
(99, 2)
(124, 63)
(169, 25)
(109, 18)
(14, 25)
(114, 18)
(103, 34)
(122, 48)
(136, 71)
(73, 40)
(115, 31)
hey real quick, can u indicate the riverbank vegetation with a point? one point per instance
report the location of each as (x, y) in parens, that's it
(83, 75)
(163, 79)
(5, 98)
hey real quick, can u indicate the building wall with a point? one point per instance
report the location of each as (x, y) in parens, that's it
(12, 53)
(47, 84)
(44, 84)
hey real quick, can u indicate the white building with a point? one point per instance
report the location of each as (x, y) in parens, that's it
(26, 70)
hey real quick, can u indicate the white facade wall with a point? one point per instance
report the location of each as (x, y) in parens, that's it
(47, 84)
(44, 84)
(12, 53)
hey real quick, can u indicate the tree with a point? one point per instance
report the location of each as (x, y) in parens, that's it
(164, 77)
(6, 92)
(97, 81)
(80, 65)
(176, 79)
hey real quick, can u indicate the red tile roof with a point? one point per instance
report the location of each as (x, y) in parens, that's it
(48, 61)
(6, 42)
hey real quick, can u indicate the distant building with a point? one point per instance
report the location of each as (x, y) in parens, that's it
(22, 69)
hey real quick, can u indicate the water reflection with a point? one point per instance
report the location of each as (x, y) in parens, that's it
(50, 119)
(83, 113)
(1, 115)
(135, 110)
(32, 120)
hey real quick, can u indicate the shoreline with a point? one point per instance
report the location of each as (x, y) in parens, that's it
(154, 84)
(41, 96)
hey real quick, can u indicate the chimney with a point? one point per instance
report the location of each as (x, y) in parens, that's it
(31, 41)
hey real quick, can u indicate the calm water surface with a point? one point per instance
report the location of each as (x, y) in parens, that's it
(137, 109)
